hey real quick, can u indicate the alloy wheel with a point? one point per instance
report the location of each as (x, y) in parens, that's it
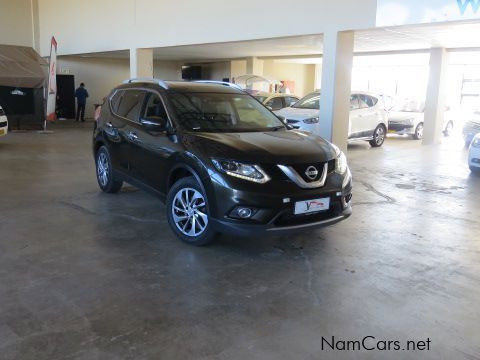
(102, 169)
(189, 212)
(419, 131)
(379, 135)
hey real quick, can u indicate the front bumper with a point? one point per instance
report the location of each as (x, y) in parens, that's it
(274, 205)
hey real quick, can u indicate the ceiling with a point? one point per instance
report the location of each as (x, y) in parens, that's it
(451, 35)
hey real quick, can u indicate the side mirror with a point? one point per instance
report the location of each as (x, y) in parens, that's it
(154, 123)
(282, 118)
(270, 108)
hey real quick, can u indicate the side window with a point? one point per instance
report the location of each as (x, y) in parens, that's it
(289, 100)
(115, 100)
(354, 104)
(367, 101)
(363, 101)
(275, 103)
(154, 107)
(130, 104)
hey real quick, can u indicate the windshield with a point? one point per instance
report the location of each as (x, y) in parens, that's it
(218, 112)
(311, 101)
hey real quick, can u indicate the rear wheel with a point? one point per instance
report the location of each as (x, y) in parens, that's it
(418, 132)
(378, 136)
(188, 214)
(105, 177)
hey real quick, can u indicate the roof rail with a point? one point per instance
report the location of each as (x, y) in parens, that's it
(162, 83)
(224, 83)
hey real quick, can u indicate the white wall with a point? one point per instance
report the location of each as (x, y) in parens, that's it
(302, 74)
(100, 75)
(16, 23)
(92, 25)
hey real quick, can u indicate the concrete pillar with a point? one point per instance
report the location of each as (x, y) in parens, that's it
(435, 100)
(141, 63)
(254, 66)
(336, 87)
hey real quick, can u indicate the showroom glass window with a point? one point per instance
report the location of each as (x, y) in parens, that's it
(218, 112)
(131, 104)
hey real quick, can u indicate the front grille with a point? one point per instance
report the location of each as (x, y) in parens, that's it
(3, 124)
(302, 168)
(291, 121)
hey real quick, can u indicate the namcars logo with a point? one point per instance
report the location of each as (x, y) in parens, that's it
(463, 5)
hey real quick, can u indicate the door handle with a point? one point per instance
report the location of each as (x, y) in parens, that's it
(132, 136)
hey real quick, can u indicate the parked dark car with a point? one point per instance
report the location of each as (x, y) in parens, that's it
(221, 161)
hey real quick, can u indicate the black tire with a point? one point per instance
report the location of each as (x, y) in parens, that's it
(448, 129)
(105, 177)
(418, 132)
(475, 170)
(190, 210)
(379, 135)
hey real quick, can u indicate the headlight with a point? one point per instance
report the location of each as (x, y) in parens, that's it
(313, 120)
(341, 165)
(242, 171)
(476, 142)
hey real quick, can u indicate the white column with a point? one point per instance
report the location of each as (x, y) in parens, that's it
(254, 66)
(141, 63)
(435, 100)
(336, 86)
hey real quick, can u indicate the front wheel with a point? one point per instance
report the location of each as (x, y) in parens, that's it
(188, 213)
(475, 170)
(105, 177)
(418, 132)
(378, 136)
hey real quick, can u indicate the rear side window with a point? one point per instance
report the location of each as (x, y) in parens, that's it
(130, 104)
(368, 101)
(289, 100)
(115, 100)
(354, 104)
(275, 103)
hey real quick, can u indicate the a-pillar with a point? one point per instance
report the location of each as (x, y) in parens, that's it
(141, 63)
(435, 100)
(336, 87)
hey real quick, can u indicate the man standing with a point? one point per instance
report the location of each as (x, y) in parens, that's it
(81, 94)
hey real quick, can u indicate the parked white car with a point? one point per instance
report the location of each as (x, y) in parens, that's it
(408, 118)
(471, 128)
(368, 119)
(3, 123)
(276, 101)
(474, 155)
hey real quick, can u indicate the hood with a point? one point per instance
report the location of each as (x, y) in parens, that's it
(273, 147)
(298, 114)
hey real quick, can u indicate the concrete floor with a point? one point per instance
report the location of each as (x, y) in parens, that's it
(85, 275)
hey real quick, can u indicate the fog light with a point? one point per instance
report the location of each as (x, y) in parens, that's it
(242, 212)
(346, 200)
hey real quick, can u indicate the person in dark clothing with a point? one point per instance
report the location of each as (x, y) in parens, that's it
(81, 94)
